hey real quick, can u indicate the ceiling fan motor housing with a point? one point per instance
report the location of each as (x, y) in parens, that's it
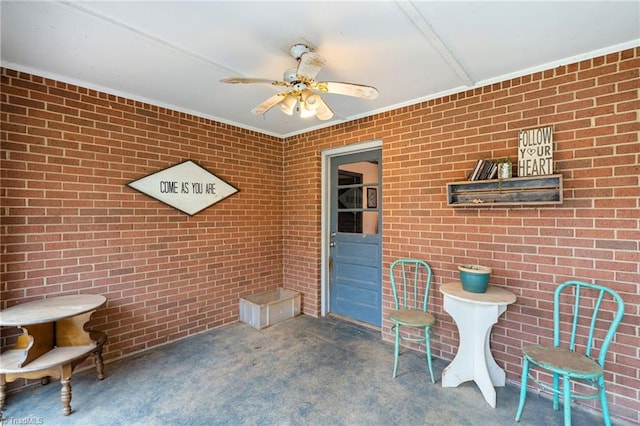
(290, 75)
(299, 87)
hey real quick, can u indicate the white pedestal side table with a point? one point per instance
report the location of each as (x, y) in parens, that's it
(475, 314)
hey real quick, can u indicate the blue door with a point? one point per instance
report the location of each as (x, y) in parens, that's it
(355, 241)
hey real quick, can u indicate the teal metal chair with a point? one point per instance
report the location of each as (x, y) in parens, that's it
(411, 281)
(585, 319)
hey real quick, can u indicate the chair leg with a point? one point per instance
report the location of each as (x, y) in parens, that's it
(556, 391)
(603, 402)
(396, 350)
(523, 387)
(427, 342)
(567, 400)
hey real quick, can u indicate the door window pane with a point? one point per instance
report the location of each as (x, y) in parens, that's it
(358, 198)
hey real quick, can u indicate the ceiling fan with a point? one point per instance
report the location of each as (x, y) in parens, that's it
(303, 91)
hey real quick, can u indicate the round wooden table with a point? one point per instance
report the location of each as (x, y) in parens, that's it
(53, 341)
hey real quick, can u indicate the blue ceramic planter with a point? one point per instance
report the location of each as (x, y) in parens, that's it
(474, 278)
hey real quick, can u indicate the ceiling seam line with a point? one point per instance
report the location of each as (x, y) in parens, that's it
(425, 28)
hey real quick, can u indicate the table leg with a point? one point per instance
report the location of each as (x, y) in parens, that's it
(100, 339)
(65, 392)
(474, 361)
(482, 371)
(3, 391)
(498, 376)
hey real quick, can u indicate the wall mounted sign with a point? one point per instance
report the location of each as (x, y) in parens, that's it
(535, 152)
(185, 186)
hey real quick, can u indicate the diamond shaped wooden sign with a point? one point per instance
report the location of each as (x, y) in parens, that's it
(185, 186)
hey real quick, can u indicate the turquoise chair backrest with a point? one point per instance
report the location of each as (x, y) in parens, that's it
(411, 282)
(587, 314)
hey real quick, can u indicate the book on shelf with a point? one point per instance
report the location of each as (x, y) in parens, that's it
(483, 170)
(494, 170)
(474, 173)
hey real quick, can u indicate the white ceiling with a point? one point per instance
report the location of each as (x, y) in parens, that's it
(173, 53)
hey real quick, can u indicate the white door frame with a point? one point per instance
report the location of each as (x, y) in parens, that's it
(326, 196)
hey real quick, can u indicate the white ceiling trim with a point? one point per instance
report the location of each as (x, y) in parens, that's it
(566, 61)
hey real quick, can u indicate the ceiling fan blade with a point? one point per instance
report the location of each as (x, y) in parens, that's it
(268, 104)
(323, 112)
(348, 89)
(309, 66)
(242, 80)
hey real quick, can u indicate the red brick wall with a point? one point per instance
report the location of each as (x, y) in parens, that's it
(593, 236)
(70, 224)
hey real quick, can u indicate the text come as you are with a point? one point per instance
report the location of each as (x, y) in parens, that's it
(186, 186)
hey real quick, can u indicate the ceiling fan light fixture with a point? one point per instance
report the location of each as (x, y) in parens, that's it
(288, 104)
(312, 102)
(305, 112)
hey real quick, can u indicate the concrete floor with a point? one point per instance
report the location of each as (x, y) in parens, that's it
(303, 371)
